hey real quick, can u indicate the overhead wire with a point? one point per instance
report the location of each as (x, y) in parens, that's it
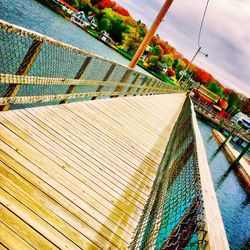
(202, 21)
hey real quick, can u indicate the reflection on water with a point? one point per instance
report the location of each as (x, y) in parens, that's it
(232, 198)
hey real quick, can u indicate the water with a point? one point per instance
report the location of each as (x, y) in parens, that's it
(233, 200)
(33, 15)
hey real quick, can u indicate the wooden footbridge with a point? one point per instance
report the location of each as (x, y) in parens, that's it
(81, 170)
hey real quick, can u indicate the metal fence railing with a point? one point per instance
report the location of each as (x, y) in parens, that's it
(174, 216)
(35, 68)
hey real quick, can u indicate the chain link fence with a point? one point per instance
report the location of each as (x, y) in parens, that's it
(173, 217)
(38, 70)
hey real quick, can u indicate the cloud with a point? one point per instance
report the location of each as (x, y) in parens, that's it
(225, 35)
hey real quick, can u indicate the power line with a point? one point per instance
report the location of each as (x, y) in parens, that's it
(203, 17)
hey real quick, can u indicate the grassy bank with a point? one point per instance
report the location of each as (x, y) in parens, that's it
(140, 63)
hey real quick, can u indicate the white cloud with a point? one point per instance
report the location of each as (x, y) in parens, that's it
(225, 35)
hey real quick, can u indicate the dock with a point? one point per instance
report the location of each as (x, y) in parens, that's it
(226, 125)
(243, 169)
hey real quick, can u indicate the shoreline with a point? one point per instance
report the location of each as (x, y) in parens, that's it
(60, 12)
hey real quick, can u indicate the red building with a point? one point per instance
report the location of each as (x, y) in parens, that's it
(209, 99)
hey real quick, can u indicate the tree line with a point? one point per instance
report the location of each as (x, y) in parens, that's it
(128, 33)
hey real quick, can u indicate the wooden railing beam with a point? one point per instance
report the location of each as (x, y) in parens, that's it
(124, 79)
(105, 78)
(79, 75)
(23, 69)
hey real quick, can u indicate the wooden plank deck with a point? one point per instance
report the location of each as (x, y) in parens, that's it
(77, 176)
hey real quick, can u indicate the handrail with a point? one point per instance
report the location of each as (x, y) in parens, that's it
(31, 60)
(182, 209)
(216, 236)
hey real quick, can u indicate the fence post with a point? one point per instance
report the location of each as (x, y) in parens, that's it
(78, 76)
(105, 78)
(125, 79)
(133, 82)
(152, 85)
(143, 81)
(23, 69)
(242, 154)
(146, 84)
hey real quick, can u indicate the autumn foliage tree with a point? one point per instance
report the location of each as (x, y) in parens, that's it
(120, 10)
(102, 4)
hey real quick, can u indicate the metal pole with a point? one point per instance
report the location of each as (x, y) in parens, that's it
(189, 64)
(229, 136)
(242, 154)
(150, 33)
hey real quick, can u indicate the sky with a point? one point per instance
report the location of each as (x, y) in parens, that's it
(225, 35)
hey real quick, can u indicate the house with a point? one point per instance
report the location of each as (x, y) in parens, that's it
(104, 36)
(93, 22)
(80, 19)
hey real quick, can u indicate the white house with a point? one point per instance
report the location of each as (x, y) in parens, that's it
(81, 19)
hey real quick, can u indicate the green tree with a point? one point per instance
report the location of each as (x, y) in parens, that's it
(105, 24)
(132, 40)
(88, 7)
(232, 100)
(153, 59)
(215, 88)
(169, 60)
(179, 64)
(74, 3)
(157, 51)
(118, 26)
(153, 62)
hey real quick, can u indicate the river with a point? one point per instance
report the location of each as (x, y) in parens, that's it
(233, 200)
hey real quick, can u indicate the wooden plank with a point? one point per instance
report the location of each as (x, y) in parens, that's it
(69, 149)
(92, 177)
(38, 80)
(68, 230)
(2, 247)
(72, 203)
(67, 132)
(51, 142)
(69, 177)
(106, 135)
(23, 230)
(35, 221)
(34, 194)
(105, 149)
(50, 98)
(105, 122)
(105, 138)
(88, 178)
(11, 240)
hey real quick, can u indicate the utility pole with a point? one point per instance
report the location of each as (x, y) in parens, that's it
(150, 33)
(189, 64)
